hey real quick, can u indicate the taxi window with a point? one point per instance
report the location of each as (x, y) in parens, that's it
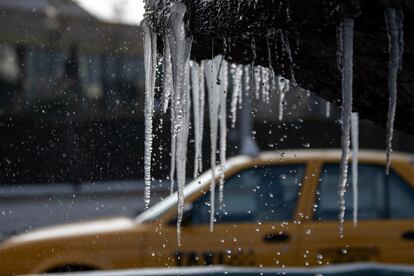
(254, 195)
(401, 198)
(380, 196)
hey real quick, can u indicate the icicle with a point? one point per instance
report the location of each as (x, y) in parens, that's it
(248, 144)
(237, 73)
(173, 150)
(257, 81)
(182, 141)
(180, 46)
(265, 85)
(240, 90)
(195, 82)
(328, 109)
(394, 23)
(247, 74)
(168, 76)
(214, 97)
(355, 149)
(169, 86)
(202, 88)
(282, 86)
(347, 44)
(150, 53)
(223, 127)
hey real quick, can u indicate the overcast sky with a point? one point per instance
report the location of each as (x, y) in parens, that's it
(126, 11)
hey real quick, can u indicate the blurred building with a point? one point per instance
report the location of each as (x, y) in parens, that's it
(71, 101)
(69, 84)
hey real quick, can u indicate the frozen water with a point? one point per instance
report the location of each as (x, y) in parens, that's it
(248, 145)
(150, 53)
(180, 46)
(167, 76)
(266, 73)
(257, 81)
(223, 127)
(355, 149)
(328, 109)
(394, 23)
(213, 88)
(236, 72)
(282, 86)
(202, 88)
(347, 49)
(198, 134)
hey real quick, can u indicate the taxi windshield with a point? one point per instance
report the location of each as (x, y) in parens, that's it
(155, 211)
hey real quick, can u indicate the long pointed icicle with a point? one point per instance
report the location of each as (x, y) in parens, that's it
(182, 141)
(347, 46)
(150, 52)
(257, 80)
(355, 150)
(236, 73)
(180, 46)
(394, 23)
(202, 88)
(169, 89)
(195, 89)
(282, 86)
(214, 105)
(266, 85)
(223, 127)
(167, 78)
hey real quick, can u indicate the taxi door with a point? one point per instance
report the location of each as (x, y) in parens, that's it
(384, 231)
(254, 225)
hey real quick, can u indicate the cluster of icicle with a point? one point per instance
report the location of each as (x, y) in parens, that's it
(350, 120)
(184, 84)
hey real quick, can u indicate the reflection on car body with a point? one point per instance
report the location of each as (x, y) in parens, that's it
(278, 210)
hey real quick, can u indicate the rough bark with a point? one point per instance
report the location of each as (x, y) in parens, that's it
(246, 31)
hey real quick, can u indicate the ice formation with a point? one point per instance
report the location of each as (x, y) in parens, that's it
(236, 72)
(167, 75)
(150, 53)
(347, 49)
(394, 23)
(282, 86)
(180, 47)
(223, 127)
(217, 109)
(256, 81)
(355, 149)
(265, 84)
(197, 117)
(328, 109)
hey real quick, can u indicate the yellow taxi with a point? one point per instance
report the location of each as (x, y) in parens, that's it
(279, 209)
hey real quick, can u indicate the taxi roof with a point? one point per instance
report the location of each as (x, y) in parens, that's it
(324, 154)
(287, 155)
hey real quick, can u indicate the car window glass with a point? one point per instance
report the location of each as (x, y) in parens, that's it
(401, 198)
(254, 195)
(379, 195)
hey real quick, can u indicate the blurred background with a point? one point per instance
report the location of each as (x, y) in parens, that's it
(71, 115)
